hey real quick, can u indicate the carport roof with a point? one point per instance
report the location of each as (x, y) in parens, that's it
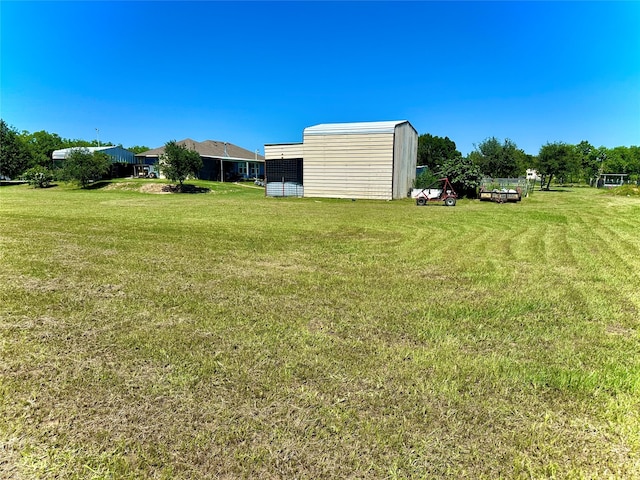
(62, 153)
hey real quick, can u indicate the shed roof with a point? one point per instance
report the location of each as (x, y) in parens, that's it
(62, 153)
(353, 128)
(210, 148)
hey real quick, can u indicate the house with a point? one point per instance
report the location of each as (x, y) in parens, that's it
(122, 160)
(221, 161)
(365, 160)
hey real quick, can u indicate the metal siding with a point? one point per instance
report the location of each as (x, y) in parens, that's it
(120, 155)
(348, 165)
(283, 150)
(355, 128)
(284, 189)
(116, 154)
(404, 158)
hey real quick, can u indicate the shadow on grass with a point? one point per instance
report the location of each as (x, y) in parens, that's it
(555, 190)
(184, 188)
(433, 204)
(8, 183)
(96, 185)
(4, 183)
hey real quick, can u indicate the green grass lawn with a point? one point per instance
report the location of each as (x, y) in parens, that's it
(229, 335)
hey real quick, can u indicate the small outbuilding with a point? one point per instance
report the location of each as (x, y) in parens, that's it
(611, 180)
(365, 160)
(122, 160)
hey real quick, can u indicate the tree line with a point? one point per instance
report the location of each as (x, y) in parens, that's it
(559, 161)
(30, 153)
(29, 156)
(21, 151)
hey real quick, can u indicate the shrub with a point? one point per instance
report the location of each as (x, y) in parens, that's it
(38, 176)
(626, 190)
(84, 167)
(424, 179)
(464, 175)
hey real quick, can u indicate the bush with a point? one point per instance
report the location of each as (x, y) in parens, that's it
(38, 176)
(464, 175)
(424, 179)
(628, 190)
(84, 167)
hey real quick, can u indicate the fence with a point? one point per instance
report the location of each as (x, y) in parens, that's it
(283, 178)
(520, 183)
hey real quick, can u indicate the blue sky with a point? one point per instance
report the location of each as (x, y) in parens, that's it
(259, 72)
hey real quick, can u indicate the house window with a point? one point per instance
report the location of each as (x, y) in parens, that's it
(242, 168)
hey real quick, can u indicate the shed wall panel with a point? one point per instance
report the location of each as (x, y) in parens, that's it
(283, 151)
(349, 166)
(404, 158)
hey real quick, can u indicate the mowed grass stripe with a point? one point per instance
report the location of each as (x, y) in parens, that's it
(232, 335)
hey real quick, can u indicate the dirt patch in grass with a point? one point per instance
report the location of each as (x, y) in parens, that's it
(157, 188)
(128, 186)
(153, 188)
(617, 329)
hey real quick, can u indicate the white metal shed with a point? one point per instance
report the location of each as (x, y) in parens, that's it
(365, 160)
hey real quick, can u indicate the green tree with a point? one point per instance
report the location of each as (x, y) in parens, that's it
(433, 151)
(465, 176)
(14, 154)
(556, 159)
(178, 162)
(499, 160)
(634, 164)
(620, 160)
(41, 146)
(529, 161)
(425, 178)
(587, 160)
(616, 161)
(83, 166)
(78, 142)
(136, 149)
(601, 155)
(623, 160)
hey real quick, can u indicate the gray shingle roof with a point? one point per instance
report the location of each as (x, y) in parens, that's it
(209, 148)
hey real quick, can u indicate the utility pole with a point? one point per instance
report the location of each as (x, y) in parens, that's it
(98, 136)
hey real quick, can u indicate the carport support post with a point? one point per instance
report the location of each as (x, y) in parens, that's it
(221, 171)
